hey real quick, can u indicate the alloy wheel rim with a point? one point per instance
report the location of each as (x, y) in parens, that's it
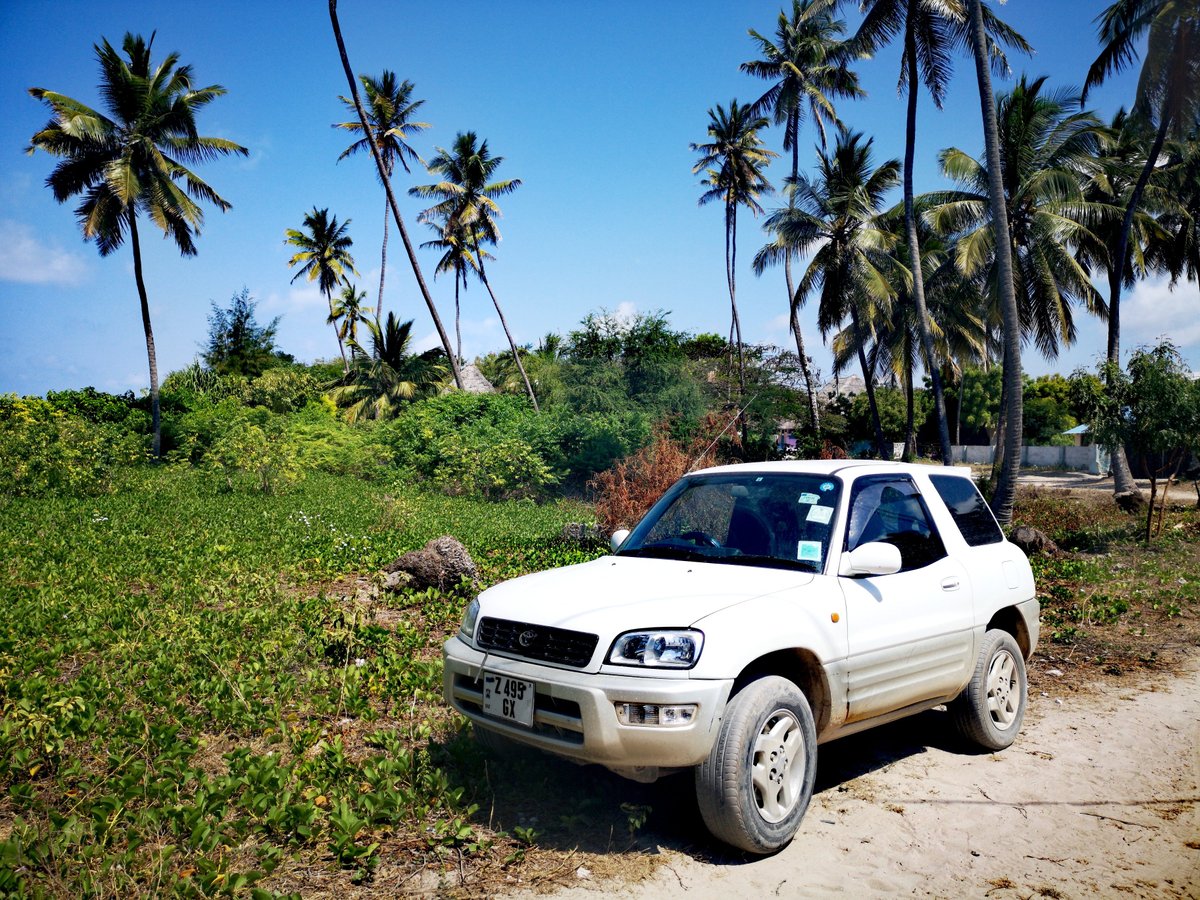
(1003, 690)
(778, 766)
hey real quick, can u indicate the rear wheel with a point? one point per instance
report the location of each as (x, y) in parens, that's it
(991, 708)
(756, 784)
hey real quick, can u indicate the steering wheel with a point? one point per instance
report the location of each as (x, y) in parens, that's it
(700, 538)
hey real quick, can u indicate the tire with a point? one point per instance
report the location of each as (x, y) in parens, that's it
(757, 782)
(991, 707)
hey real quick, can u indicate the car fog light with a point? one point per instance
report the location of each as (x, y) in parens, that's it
(653, 714)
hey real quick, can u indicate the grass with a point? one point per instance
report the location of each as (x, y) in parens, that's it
(205, 693)
(1110, 603)
(192, 703)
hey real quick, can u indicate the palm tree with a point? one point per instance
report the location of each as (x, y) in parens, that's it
(808, 63)
(381, 168)
(955, 316)
(390, 375)
(1006, 481)
(735, 150)
(390, 110)
(1049, 152)
(134, 159)
(458, 256)
(931, 31)
(836, 212)
(1168, 91)
(347, 312)
(466, 198)
(323, 255)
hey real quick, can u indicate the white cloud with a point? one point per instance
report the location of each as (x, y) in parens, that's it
(301, 296)
(27, 259)
(1152, 310)
(626, 311)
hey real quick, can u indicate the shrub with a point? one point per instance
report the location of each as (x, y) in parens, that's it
(253, 456)
(283, 390)
(43, 450)
(625, 492)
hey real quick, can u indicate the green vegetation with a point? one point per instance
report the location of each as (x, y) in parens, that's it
(189, 701)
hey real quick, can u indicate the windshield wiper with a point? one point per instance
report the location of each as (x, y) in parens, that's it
(772, 562)
(667, 551)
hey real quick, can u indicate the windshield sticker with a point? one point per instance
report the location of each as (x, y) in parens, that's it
(808, 498)
(809, 551)
(820, 514)
(827, 486)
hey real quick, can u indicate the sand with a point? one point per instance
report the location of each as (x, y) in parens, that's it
(1098, 797)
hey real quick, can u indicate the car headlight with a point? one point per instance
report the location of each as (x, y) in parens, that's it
(666, 648)
(467, 628)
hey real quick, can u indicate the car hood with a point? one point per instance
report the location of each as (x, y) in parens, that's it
(615, 594)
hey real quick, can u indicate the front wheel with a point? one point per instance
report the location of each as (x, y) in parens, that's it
(991, 708)
(756, 784)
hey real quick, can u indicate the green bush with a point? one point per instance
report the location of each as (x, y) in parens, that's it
(254, 456)
(44, 451)
(283, 390)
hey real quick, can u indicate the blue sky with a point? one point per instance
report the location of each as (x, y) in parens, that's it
(592, 105)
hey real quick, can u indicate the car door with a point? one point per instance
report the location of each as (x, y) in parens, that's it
(910, 633)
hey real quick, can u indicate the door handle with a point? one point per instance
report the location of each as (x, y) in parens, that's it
(949, 584)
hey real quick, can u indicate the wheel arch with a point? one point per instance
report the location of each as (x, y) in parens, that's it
(1010, 620)
(803, 669)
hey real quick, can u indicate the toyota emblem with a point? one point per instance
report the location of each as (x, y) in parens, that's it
(527, 638)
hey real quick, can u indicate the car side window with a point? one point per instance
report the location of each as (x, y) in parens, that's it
(890, 510)
(968, 509)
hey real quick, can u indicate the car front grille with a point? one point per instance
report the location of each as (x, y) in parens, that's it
(554, 645)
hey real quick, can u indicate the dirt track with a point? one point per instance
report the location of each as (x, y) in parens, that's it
(1098, 797)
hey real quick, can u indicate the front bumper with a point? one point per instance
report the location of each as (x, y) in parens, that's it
(575, 712)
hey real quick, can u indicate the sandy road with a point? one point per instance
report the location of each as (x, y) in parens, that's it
(1100, 796)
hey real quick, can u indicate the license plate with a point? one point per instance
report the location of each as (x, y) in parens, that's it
(507, 698)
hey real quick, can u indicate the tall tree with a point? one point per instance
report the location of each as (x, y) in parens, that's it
(835, 214)
(237, 344)
(733, 160)
(379, 382)
(1006, 481)
(323, 255)
(391, 197)
(1050, 149)
(808, 63)
(134, 159)
(1167, 101)
(466, 198)
(347, 312)
(931, 30)
(390, 109)
(458, 256)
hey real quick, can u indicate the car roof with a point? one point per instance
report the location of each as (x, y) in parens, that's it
(843, 467)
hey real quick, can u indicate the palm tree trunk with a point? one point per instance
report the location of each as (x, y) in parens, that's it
(382, 261)
(151, 356)
(1122, 476)
(730, 268)
(1006, 484)
(880, 444)
(504, 324)
(793, 304)
(337, 332)
(458, 316)
(914, 249)
(387, 187)
(910, 429)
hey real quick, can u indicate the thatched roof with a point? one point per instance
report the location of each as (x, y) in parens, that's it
(473, 381)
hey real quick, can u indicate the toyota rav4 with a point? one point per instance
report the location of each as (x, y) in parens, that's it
(755, 612)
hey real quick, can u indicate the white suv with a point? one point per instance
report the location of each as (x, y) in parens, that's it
(756, 611)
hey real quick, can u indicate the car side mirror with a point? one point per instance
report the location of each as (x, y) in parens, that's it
(875, 558)
(618, 538)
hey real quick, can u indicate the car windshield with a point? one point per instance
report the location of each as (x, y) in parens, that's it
(744, 518)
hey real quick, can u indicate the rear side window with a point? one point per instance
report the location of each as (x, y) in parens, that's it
(969, 509)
